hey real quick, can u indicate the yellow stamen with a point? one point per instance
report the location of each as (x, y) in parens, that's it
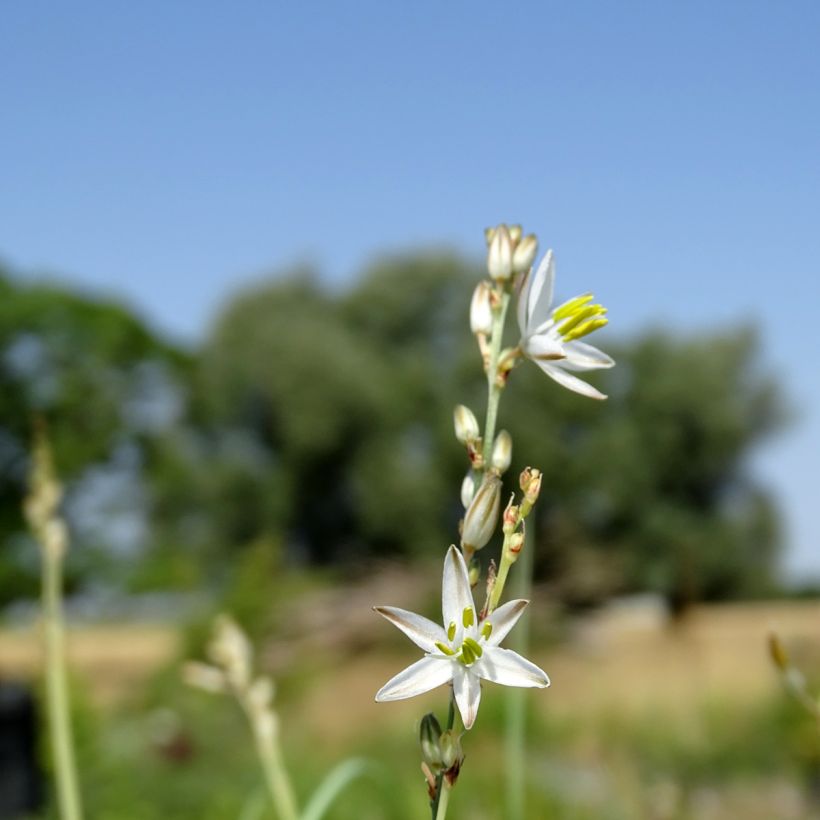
(467, 617)
(451, 631)
(579, 316)
(568, 308)
(486, 630)
(474, 647)
(444, 648)
(585, 329)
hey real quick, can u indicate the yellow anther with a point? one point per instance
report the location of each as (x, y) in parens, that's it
(568, 308)
(486, 630)
(467, 617)
(444, 648)
(588, 312)
(474, 646)
(585, 329)
(451, 631)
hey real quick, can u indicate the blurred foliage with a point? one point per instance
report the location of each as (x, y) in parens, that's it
(319, 424)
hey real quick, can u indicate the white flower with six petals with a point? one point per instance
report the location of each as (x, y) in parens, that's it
(549, 336)
(463, 651)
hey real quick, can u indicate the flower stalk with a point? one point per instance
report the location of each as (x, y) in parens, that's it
(41, 508)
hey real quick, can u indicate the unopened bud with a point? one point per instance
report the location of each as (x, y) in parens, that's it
(515, 234)
(489, 234)
(231, 650)
(466, 424)
(481, 309)
(260, 694)
(429, 736)
(499, 255)
(530, 483)
(467, 489)
(778, 652)
(511, 518)
(502, 452)
(482, 515)
(524, 254)
(203, 676)
(514, 544)
(451, 754)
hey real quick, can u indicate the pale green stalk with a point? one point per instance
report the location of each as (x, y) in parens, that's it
(451, 718)
(273, 767)
(493, 388)
(515, 756)
(59, 718)
(444, 799)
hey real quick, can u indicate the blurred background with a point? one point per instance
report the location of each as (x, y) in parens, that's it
(238, 243)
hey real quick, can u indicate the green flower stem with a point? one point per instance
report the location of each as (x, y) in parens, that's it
(501, 578)
(493, 388)
(444, 799)
(451, 719)
(59, 717)
(276, 775)
(515, 756)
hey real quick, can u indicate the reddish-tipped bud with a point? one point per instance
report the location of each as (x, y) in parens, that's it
(465, 423)
(481, 517)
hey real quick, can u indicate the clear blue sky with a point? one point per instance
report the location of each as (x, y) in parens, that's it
(669, 152)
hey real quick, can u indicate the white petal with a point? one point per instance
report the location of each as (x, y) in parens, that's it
(422, 631)
(522, 288)
(419, 677)
(467, 690)
(581, 356)
(544, 346)
(503, 620)
(554, 371)
(456, 594)
(539, 299)
(509, 669)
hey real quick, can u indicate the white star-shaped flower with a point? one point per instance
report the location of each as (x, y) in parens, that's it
(463, 651)
(549, 336)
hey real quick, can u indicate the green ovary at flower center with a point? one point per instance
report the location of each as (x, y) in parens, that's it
(470, 650)
(578, 317)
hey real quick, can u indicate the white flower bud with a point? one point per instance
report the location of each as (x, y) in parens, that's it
(515, 234)
(499, 255)
(467, 489)
(524, 254)
(203, 676)
(465, 423)
(231, 650)
(502, 452)
(481, 517)
(481, 311)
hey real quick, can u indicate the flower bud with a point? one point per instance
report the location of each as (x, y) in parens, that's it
(511, 518)
(203, 676)
(482, 515)
(778, 652)
(260, 694)
(429, 737)
(515, 234)
(451, 754)
(465, 424)
(502, 452)
(467, 489)
(489, 234)
(514, 545)
(499, 255)
(481, 309)
(524, 254)
(231, 650)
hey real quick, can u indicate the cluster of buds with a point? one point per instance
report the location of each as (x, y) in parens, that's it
(508, 252)
(793, 679)
(441, 753)
(43, 501)
(231, 672)
(514, 514)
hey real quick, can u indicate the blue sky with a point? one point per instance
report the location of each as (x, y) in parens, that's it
(168, 152)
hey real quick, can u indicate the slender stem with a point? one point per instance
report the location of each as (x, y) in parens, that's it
(276, 775)
(501, 577)
(493, 388)
(59, 718)
(444, 799)
(516, 699)
(451, 719)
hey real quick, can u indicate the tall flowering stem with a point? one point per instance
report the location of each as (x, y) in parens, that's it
(41, 508)
(465, 650)
(231, 672)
